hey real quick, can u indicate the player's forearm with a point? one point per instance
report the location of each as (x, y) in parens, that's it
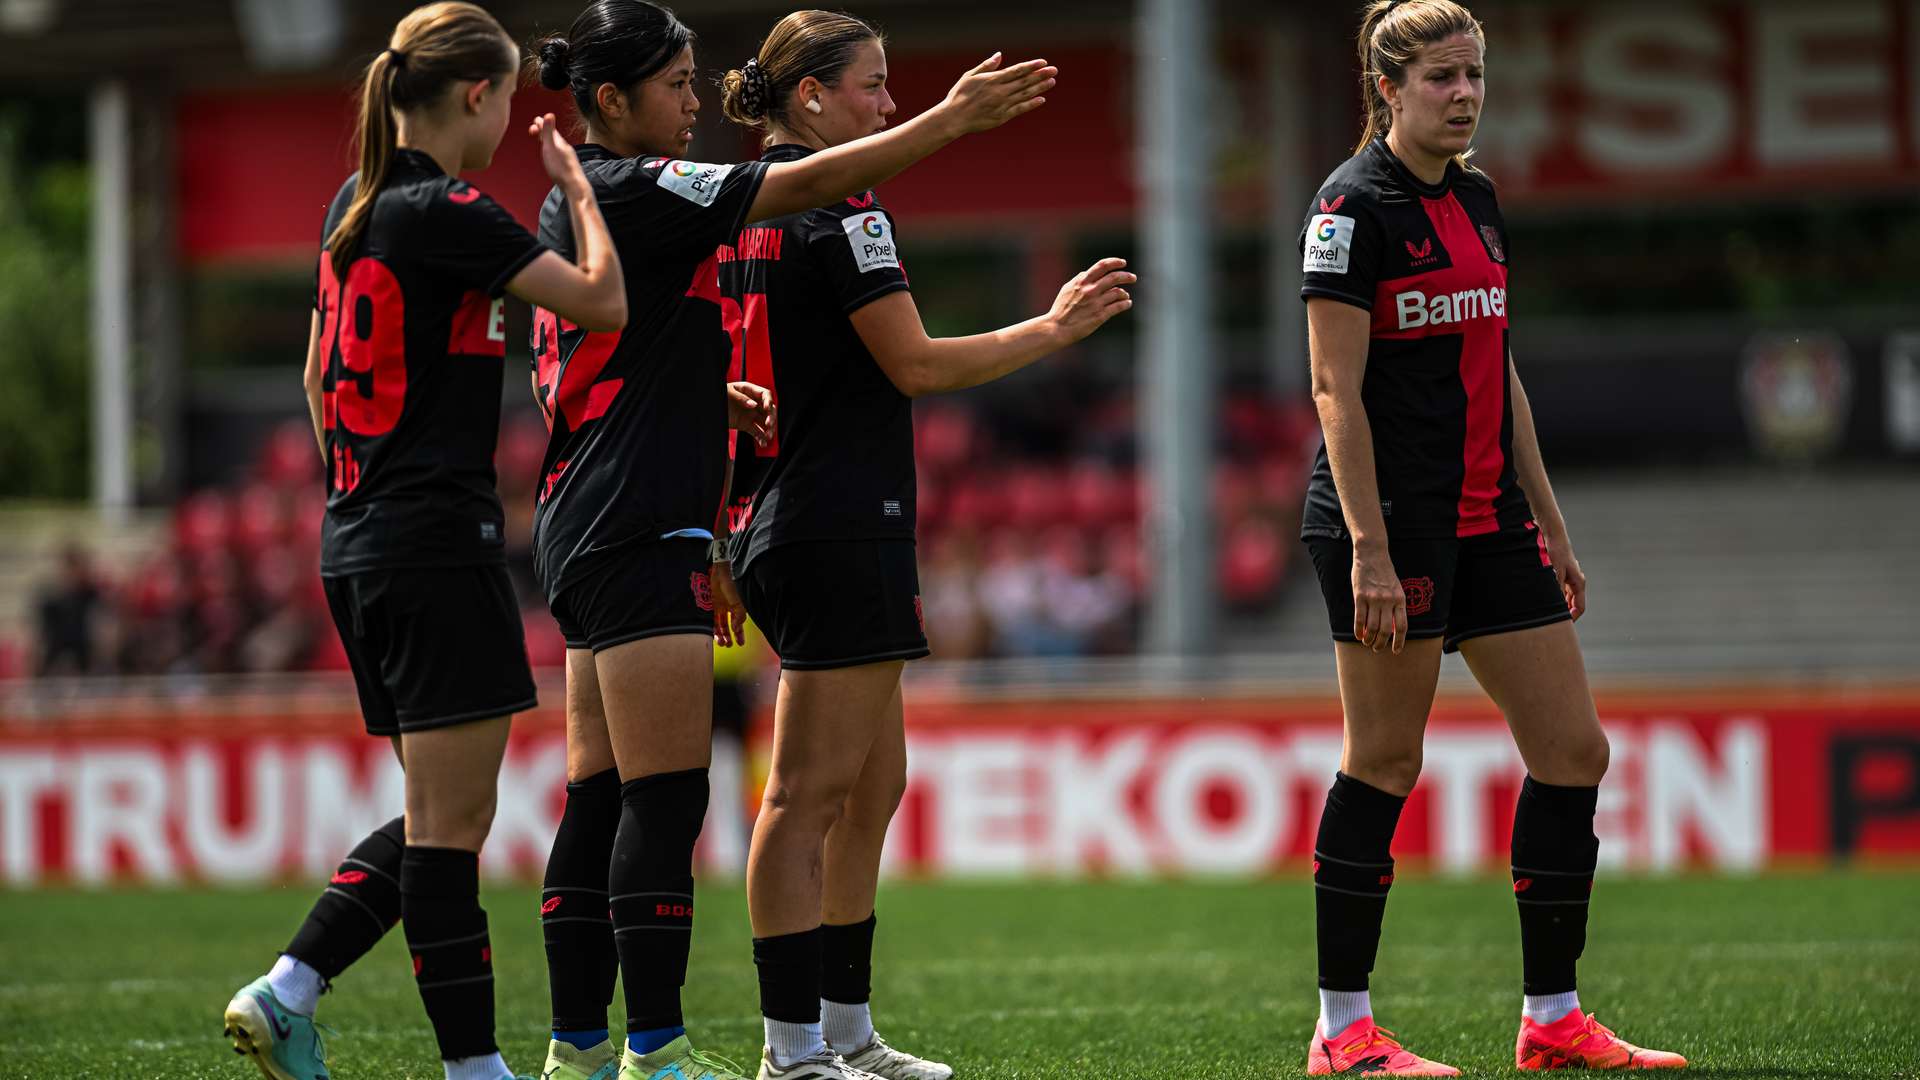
(1529, 468)
(597, 259)
(850, 168)
(1349, 439)
(945, 364)
(313, 379)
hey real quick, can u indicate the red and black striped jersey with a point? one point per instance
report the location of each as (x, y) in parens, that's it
(638, 417)
(842, 468)
(412, 348)
(1429, 262)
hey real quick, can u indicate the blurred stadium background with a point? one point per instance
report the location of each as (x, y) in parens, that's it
(1715, 207)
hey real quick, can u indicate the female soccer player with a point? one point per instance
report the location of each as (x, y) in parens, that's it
(403, 379)
(826, 561)
(632, 497)
(1432, 526)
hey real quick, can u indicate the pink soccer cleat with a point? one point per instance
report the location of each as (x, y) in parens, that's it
(1367, 1049)
(1578, 1041)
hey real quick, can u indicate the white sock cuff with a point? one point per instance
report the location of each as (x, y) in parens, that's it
(847, 1027)
(1546, 1008)
(1340, 1008)
(792, 1042)
(296, 984)
(485, 1067)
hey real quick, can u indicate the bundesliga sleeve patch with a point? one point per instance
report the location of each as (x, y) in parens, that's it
(871, 238)
(1329, 246)
(698, 184)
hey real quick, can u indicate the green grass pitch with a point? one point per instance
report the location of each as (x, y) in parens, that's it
(1773, 977)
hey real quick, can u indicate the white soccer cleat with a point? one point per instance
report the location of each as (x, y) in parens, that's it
(884, 1061)
(825, 1065)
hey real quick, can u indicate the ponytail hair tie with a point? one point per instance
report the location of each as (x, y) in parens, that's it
(397, 57)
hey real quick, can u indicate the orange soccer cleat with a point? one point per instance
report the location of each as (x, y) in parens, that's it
(1367, 1049)
(1578, 1041)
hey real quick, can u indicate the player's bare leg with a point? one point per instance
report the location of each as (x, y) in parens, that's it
(1385, 698)
(826, 724)
(851, 882)
(581, 960)
(1539, 680)
(657, 696)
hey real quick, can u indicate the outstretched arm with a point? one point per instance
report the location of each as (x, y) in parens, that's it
(983, 99)
(891, 329)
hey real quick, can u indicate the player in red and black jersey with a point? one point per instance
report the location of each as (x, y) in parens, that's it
(629, 509)
(403, 377)
(1432, 527)
(825, 562)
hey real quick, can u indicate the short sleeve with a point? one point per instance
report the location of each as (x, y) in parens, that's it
(678, 206)
(474, 241)
(1340, 247)
(856, 253)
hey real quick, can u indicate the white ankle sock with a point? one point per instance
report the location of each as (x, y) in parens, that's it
(296, 985)
(1339, 1008)
(792, 1042)
(485, 1067)
(1546, 1008)
(848, 1027)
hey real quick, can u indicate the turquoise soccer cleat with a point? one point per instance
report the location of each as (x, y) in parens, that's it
(284, 1045)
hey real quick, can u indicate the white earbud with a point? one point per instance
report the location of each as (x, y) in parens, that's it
(813, 106)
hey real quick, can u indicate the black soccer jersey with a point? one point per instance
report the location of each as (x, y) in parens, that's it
(638, 448)
(843, 466)
(412, 347)
(1430, 264)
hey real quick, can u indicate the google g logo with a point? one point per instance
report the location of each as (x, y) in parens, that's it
(1326, 230)
(684, 168)
(872, 226)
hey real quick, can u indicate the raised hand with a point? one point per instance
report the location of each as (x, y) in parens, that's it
(990, 95)
(1091, 297)
(557, 156)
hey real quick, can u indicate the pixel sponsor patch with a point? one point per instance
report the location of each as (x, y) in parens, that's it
(1329, 246)
(698, 184)
(870, 235)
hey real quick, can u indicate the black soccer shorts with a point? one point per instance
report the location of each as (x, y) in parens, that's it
(432, 647)
(837, 603)
(637, 591)
(1456, 588)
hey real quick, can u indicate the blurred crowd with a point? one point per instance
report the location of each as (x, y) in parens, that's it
(1030, 545)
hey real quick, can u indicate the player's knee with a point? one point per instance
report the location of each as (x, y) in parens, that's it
(1392, 769)
(453, 823)
(875, 799)
(1591, 756)
(815, 801)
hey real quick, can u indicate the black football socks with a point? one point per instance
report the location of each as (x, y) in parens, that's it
(1554, 853)
(1352, 871)
(452, 956)
(361, 903)
(651, 881)
(789, 966)
(846, 984)
(581, 962)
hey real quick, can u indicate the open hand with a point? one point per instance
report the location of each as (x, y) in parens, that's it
(1091, 297)
(990, 95)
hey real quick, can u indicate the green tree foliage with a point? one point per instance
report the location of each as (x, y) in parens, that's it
(43, 318)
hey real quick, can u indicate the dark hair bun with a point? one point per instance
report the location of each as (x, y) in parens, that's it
(554, 55)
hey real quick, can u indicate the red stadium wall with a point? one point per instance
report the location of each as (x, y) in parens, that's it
(1724, 782)
(1629, 104)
